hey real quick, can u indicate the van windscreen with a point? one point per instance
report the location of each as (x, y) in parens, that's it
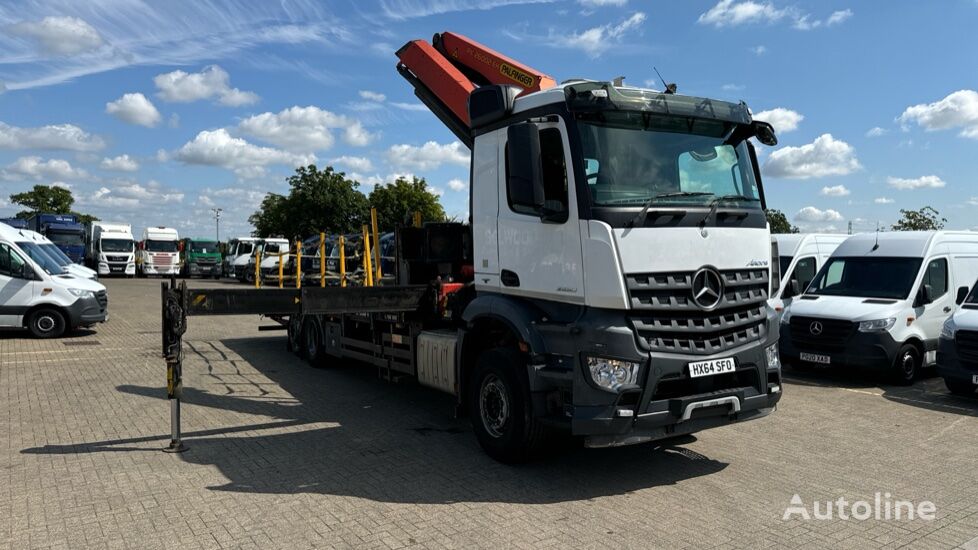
(888, 278)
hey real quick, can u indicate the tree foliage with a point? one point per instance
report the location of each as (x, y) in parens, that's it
(47, 199)
(779, 222)
(925, 219)
(397, 202)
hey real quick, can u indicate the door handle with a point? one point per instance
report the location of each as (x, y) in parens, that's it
(509, 278)
(947, 309)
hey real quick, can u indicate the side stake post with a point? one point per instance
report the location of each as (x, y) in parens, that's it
(175, 302)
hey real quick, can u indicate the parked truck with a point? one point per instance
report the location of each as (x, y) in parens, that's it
(158, 253)
(201, 257)
(239, 250)
(110, 248)
(17, 223)
(65, 230)
(612, 281)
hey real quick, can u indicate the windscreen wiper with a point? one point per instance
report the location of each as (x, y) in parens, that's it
(715, 203)
(640, 218)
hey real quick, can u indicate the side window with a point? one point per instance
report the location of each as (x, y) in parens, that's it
(804, 272)
(554, 171)
(11, 264)
(936, 277)
(833, 274)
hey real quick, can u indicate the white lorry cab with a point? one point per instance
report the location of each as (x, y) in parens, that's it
(881, 301)
(801, 255)
(56, 254)
(159, 252)
(270, 249)
(236, 259)
(36, 293)
(110, 248)
(957, 350)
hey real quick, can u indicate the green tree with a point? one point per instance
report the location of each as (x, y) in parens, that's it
(779, 222)
(397, 202)
(43, 198)
(925, 219)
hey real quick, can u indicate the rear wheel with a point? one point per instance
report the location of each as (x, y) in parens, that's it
(295, 341)
(960, 387)
(500, 408)
(313, 343)
(906, 366)
(46, 323)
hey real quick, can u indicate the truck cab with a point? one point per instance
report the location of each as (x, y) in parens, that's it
(200, 257)
(236, 258)
(110, 248)
(159, 252)
(65, 230)
(271, 250)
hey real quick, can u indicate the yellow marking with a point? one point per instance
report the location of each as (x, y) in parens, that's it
(516, 75)
(199, 299)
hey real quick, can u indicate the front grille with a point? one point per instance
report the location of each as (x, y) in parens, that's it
(967, 341)
(117, 258)
(103, 299)
(744, 377)
(666, 317)
(205, 261)
(832, 337)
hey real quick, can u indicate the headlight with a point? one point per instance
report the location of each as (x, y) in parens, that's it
(80, 293)
(773, 357)
(949, 329)
(611, 374)
(877, 325)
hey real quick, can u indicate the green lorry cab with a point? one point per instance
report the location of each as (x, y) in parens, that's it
(200, 257)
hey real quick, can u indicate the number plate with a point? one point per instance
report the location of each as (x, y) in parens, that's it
(815, 358)
(711, 367)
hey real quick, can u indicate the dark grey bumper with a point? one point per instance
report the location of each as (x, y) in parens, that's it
(949, 364)
(864, 350)
(87, 311)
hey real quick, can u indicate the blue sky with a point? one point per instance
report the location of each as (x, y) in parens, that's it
(153, 112)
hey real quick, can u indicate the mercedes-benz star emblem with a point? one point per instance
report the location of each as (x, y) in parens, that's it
(707, 288)
(815, 328)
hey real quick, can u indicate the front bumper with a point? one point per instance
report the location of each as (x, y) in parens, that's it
(115, 268)
(88, 311)
(862, 350)
(949, 364)
(151, 269)
(204, 269)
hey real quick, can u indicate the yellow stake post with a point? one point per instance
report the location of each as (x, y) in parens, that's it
(417, 219)
(258, 269)
(298, 265)
(373, 222)
(368, 279)
(280, 276)
(322, 260)
(342, 246)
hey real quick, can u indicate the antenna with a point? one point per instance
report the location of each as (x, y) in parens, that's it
(877, 245)
(670, 88)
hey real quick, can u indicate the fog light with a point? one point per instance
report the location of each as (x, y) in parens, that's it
(612, 374)
(773, 357)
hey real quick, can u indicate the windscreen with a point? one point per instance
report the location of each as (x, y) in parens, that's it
(889, 278)
(161, 246)
(244, 248)
(632, 158)
(47, 263)
(116, 245)
(785, 264)
(273, 248)
(56, 253)
(67, 239)
(203, 247)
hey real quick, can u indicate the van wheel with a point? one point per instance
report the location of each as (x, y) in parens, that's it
(500, 409)
(46, 323)
(960, 387)
(906, 365)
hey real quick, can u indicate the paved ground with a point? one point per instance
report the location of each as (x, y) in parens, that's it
(285, 456)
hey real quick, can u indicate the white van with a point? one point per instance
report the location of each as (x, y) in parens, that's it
(58, 256)
(159, 252)
(801, 256)
(880, 302)
(957, 351)
(37, 294)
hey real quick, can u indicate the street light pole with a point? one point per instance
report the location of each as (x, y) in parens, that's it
(217, 221)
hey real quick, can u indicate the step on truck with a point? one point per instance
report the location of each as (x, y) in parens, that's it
(159, 252)
(65, 230)
(612, 281)
(110, 248)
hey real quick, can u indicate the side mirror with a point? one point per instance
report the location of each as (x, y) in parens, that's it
(764, 133)
(962, 295)
(924, 296)
(525, 167)
(793, 289)
(27, 272)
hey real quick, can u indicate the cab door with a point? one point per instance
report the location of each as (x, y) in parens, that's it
(931, 316)
(16, 291)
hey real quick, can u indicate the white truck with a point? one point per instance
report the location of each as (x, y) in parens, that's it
(801, 255)
(238, 253)
(36, 293)
(270, 248)
(110, 248)
(881, 301)
(159, 252)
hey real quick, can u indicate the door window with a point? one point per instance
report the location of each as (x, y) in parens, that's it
(554, 172)
(11, 264)
(936, 277)
(804, 272)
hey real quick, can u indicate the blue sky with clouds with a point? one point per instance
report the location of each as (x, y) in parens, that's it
(155, 112)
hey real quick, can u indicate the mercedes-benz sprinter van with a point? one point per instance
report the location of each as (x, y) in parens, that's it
(801, 256)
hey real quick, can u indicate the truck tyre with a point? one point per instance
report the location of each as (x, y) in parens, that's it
(960, 387)
(312, 339)
(500, 407)
(46, 322)
(906, 366)
(249, 277)
(295, 341)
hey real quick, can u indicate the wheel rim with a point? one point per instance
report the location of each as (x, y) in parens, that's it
(908, 364)
(494, 405)
(45, 323)
(311, 343)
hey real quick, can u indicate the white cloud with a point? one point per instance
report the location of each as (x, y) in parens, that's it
(36, 168)
(957, 110)
(409, 106)
(836, 191)
(128, 194)
(57, 136)
(219, 148)
(121, 163)
(211, 82)
(373, 96)
(826, 156)
(409, 9)
(429, 156)
(60, 35)
(456, 184)
(729, 13)
(759, 50)
(923, 182)
(596, 40)
(436, 191)
(601, 3)
(812, 214)
(305, 129)
(362, 164)
(875, 131)
(973, 201)
(838, 17)
(733, 87)
(783, 120)
(883, 200)
(134, 109)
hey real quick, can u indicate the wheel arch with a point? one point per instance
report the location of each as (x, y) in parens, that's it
(49, 305)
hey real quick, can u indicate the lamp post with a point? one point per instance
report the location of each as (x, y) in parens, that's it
(217, 221)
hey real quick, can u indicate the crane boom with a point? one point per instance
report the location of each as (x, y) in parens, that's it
(445, 72)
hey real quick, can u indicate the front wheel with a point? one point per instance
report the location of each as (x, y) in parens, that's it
(960, 387)
(46, 323)
(906, 366)
(500, 408)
